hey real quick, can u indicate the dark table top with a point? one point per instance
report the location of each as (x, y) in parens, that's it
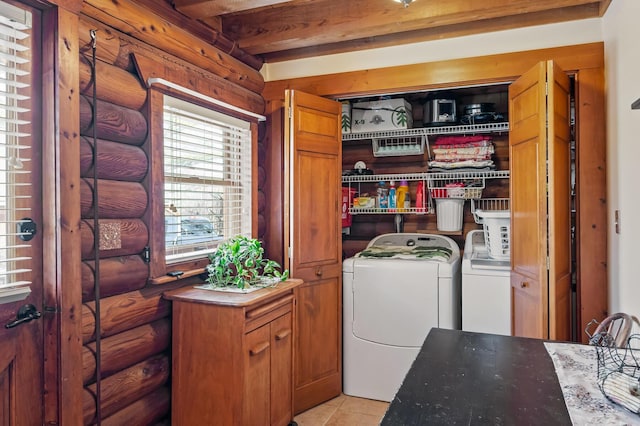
(479, 379)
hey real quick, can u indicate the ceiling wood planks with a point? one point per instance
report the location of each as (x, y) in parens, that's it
(219, 7)
(276, 30)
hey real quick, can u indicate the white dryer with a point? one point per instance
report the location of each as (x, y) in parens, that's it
(394, 292)
(486, 289)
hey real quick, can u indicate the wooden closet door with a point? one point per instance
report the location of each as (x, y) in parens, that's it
(313, 242)
(539, 147)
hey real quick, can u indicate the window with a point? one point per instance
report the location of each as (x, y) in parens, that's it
(16, 225)
(207, 179)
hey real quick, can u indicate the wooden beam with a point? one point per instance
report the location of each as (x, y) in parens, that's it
(328, 21)
(61, 215)
(438, 33)
(219, 7)
(211, 31)
(144, 25)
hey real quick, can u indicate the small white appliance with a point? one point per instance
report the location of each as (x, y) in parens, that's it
(486, 288)
(390, 303)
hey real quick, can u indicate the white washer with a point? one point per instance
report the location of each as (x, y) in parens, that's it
(390, 304)
(486, 289)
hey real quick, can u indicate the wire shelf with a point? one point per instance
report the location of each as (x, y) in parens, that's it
(440, 176)
(427, 131)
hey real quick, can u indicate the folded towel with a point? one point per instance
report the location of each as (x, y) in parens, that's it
(453, 140)
(442, 254)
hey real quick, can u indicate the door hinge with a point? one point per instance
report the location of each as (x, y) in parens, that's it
(548, 263)
(289, 252)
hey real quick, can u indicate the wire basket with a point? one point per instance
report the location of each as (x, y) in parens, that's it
(619, 371)
(398, 146)
(618, 354)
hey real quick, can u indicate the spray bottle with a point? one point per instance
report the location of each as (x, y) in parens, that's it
(420, 197)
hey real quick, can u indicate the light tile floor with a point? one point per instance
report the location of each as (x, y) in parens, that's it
(344, 410)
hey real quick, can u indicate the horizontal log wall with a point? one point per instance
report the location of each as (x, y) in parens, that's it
(135, 326)
(124, 387)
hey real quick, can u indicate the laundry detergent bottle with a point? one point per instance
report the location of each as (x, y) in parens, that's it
(402, 195)
(393, 196)
(383, 195)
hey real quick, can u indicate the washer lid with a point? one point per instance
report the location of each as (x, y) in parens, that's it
(481, 260)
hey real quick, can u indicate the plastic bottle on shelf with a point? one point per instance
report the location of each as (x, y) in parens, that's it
(383, 195)
(402, 194)
(407, 200)
(420, 197)
(393, 196)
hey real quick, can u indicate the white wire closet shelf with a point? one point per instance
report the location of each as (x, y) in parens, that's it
(439, 176)
(439, 130)
(401, 142)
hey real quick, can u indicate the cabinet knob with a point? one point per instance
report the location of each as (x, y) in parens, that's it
(524, 284)
(318, 271)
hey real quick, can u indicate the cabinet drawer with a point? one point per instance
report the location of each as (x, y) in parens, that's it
(268, 311)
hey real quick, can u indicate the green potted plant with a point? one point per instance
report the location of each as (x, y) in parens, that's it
(239, 263)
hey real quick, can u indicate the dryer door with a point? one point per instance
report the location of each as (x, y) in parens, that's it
(395, 302)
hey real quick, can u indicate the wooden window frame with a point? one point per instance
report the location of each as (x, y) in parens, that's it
(158, 267)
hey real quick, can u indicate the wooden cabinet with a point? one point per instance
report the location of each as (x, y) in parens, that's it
(232, 356)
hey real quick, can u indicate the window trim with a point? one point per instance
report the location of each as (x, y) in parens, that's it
(154, 217)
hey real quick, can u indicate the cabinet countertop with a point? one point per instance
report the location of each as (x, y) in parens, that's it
(212, 297)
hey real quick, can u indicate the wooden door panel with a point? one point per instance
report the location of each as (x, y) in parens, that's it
(281, 368)
(539, 143)
(257, 368)
(318, 347)
(527, 162)
(318, 129)
(314, 243)
(528, 319)
(559, 194)
(525, 211)
(317, 218)
(7, 383)
(318, 328)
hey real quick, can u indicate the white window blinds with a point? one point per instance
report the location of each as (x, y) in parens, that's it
(15, 151)
(207, 178)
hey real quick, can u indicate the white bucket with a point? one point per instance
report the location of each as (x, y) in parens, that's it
(449, 214)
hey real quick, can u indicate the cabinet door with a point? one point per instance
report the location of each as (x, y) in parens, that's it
(313, 242)
(281, 368)
(539, 149)
(257, 370)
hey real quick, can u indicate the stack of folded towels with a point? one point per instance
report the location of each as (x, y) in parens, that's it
(462, 153)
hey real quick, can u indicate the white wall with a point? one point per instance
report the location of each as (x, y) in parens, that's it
(622, 56)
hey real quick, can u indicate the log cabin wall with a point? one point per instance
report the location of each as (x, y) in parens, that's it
(135, 320)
